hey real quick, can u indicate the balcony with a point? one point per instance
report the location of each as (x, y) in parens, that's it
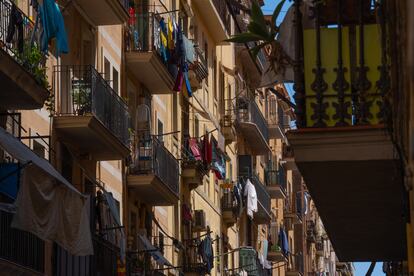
(249, 261)
(198, 67)
(276, 121)
(320, 248)
(253, 67)
(146, 55)
(106, 239)
(154, 177)
(90, 117)
(21, 253)
(288, 157)
(276, 183)
(22, 70)
(105, 12)
(343, 145)
(295, 267)
(227, 123)
(263, 202)
(193, 167)
(251, 123)
(216, 16)
(229, 208)
(275, 253)
(293, 210)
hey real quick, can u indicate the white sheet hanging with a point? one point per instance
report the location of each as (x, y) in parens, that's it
(47, 205)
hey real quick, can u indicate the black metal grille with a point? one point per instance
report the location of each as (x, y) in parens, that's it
(249, 112)
(81, 90)
(24, 45)
(20, 247)
(154, 157)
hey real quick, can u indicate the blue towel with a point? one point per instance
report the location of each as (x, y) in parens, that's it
(9, 172)
(53, 27)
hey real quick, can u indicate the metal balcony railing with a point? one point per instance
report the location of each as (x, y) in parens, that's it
(296, 263)
(188, 158)
(299, 205)
(249, 112)
(277, 177)
(106, 240)
(154, 157)
(81, 90)
(287, 151)
(20, 247)
(199, 66)
(146, 36)
(263, 196)
(222, 9)
(227, 201)
(352, 86)
(24, 44)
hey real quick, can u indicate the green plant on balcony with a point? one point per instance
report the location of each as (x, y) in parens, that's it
(263, 35)
(81, 97)
(32, 58)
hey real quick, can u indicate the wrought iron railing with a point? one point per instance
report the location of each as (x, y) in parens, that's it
(22, 41)
(296, 263)
(351, 85)
(299, 205)
(146, 35)
(106, 235)
(20, 247)
(223, 11)
(227, 201)
(249, 112)
(249, 262)
(154, 157)
(188, 158)
(287, 151)
(277, 178)
(199, 65)
(263, 197)
(80, 90)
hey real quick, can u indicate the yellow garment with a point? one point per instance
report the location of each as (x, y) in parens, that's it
(170, 35)
(163, 39)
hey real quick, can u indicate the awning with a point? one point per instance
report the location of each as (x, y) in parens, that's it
(155, 253)
(47, 205)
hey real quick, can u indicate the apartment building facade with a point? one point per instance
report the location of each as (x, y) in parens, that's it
(160, 126)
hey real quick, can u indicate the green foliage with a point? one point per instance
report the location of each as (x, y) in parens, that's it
(81, 97)
(263, 34)
(32, 58)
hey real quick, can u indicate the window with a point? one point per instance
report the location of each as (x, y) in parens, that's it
(115, 80)
(205, 50)
(215, 77)
(107, 69)
(175, 112)
(196, 127)
(160, 127)
(39, 149)
(221, 93)
(206, 98)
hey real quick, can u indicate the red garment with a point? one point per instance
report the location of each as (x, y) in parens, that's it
(132, 17)
(207, 150)
(179, 82)
(187, 213)
(195, 149)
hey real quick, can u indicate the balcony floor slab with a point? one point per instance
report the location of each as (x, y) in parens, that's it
(355, 178)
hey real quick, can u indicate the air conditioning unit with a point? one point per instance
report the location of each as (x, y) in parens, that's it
(200, 223)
